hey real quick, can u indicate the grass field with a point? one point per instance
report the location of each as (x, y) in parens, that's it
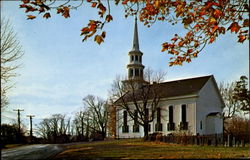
(138, 149)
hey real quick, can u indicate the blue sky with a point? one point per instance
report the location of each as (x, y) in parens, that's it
(59, 70)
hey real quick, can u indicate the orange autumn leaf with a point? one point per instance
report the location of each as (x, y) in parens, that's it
(174, 39)
(222, 30)
(212, 20)
(103, 34)
(202, 13)
(181, 43)
(29, 8)
(92, 26)
(234, 27)
(94, 4)
(171, 64)
(190, 50)
(109, 18)
(188, 60)
(22, 6)
(125, 2)
(31, 17)
(66, 12)
(98, 39)
(46, 15)
(85, 30)
(187, 21)
(215, 28)
(59, 10)
(211, 39)
(195, 54)
(217, 13)
(102, 8)
(189, 34)
(242, 38)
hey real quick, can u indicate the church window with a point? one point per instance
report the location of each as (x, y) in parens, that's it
(132, 58)
(125, 127)
(183, 113)
(140, 59)
(170, 111)
(135, 117)
(201, 125)
(125, 116)
(158, 115)
(136, 72)
(136, 58)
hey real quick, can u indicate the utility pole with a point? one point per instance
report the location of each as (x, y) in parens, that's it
(30, 125)
(19, 122)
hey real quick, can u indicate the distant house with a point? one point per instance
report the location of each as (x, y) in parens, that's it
(193, 105)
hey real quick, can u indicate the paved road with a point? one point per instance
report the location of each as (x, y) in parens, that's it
(31, 152)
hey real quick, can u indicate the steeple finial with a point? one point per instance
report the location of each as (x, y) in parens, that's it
(135, 40)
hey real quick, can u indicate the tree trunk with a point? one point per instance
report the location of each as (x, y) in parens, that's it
(145, 131)
(103, 133)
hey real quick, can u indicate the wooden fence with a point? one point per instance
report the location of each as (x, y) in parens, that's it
(214, 139)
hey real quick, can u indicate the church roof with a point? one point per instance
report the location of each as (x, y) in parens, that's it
(175, 88)
(183, 86)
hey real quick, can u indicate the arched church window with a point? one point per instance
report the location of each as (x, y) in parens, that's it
(132, 58)
(140, 59)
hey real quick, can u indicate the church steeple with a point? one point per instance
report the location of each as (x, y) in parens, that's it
(135, 67)
(135, 40)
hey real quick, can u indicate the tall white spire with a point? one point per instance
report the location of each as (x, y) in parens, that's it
(136, 39)
(135, 66)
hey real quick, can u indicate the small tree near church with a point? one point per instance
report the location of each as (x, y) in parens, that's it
(138, 100)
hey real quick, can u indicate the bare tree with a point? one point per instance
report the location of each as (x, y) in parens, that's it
(139, 100)
(54, 128)
(11, 52)
(82, 125)
(98, 109)
(232, 107)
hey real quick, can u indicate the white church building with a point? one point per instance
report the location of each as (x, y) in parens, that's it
(193, 105)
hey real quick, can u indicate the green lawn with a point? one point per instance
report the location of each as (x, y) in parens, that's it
(138, 149)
